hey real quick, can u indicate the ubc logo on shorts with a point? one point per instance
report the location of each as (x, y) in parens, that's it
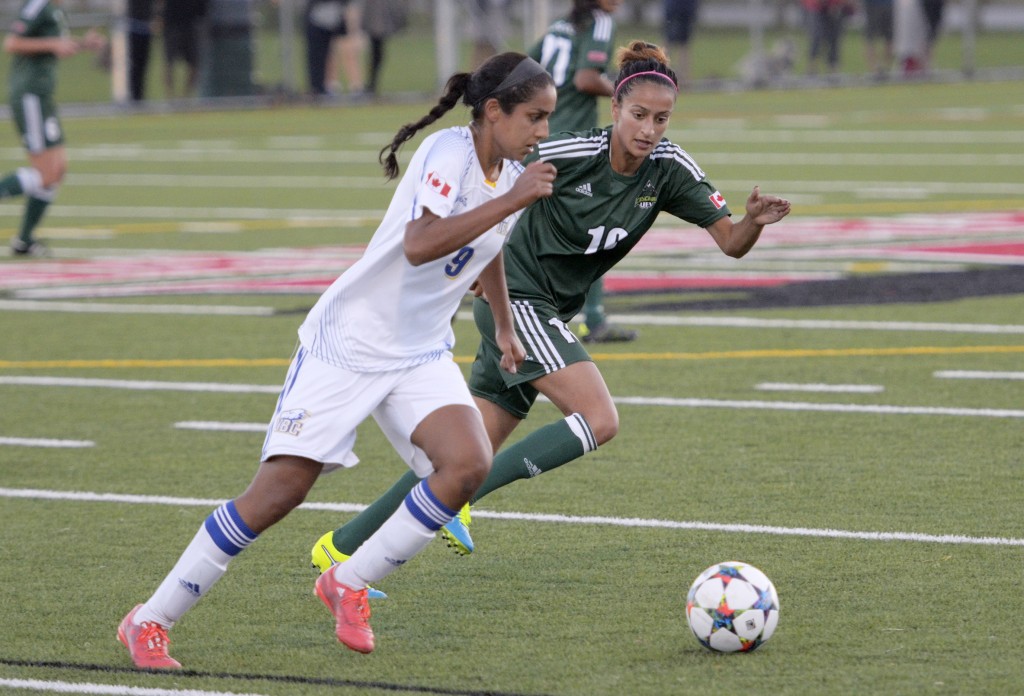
(291, 422)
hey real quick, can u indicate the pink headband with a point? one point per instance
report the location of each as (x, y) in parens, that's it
(646, 72)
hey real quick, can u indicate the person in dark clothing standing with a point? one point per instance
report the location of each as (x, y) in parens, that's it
(182, 20)
(139, 31)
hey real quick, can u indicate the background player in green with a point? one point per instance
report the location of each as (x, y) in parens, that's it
(38, 38)
(611, 185)
(576, 51)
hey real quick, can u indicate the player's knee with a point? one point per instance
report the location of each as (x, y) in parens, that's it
(467, 469)
(604, 424)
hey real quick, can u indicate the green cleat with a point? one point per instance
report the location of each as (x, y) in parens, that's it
(456, 532)
(325, 555)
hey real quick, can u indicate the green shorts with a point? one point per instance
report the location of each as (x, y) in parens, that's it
(550, 346)
(35, 115)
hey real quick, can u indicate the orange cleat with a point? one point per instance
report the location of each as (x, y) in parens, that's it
(351, 610)
(147, 642)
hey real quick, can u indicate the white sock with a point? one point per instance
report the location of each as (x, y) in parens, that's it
(204, 561)
(399, 539)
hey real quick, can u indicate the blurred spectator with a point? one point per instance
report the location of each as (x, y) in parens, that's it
(139, 32)
(182, 25)
(345, 56)
(680, 18)
(878, 33)
(382, 19)
(933, 11)
(910, 33)
(488, 26)
(325, 21)
(826, 19)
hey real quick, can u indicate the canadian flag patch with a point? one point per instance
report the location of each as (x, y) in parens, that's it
(717, 200)
(438, 184)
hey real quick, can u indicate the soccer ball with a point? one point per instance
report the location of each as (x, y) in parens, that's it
(732, 607)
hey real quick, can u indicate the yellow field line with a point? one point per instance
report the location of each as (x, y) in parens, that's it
(710, 355)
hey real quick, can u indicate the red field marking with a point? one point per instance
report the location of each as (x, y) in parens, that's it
(979, 238)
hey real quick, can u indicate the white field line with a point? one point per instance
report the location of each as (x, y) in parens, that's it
(642, 319)
(827, 408)
(977, 374)
(637, 522)
(142, 385)
(628, 400)
(45, 442)
(822, 388)
(167, 212)
(63, 687)
(114, 308)
(812, 324)
(222, 426)
(868, 187)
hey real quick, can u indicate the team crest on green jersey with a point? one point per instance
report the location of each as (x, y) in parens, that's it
(647, 198)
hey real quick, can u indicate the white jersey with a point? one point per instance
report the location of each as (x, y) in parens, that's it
(383, 313)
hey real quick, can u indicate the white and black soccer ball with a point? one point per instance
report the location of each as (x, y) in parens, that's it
(732, 607)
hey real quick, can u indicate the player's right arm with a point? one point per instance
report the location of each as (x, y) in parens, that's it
(431, 237)
(60, 46)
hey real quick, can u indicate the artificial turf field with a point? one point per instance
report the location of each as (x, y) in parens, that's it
(842, 408)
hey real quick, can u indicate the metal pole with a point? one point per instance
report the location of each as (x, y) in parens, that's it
(446, 40)
(757, 68)
(536, 21)
(971, 20)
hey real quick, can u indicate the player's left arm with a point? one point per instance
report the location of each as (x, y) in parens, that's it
(495, 291)
(736, 239)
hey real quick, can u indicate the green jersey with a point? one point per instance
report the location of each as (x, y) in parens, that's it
(563, 52)
(37, 73)
(563, 243)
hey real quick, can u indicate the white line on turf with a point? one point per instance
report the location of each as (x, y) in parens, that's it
(63, 687)
(824, 388)
(116, 308)
(142, 385)
(45, 442)
(977, 374)
(83, 496)
(629, 400)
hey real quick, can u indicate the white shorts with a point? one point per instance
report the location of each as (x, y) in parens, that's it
(321, 405)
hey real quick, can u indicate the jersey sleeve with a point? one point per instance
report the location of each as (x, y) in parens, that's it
(441, 177)
(699, 203)
(595, 47)
(693, 198)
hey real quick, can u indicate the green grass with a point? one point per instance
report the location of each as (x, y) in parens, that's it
(542, 607)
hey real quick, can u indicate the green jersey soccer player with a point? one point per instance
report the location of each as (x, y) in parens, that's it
(37, 39)
(611, 185)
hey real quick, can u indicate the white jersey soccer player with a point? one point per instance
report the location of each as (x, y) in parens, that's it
(378, 343)
(385, 314)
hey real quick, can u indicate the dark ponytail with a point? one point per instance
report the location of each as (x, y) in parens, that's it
(473, 89)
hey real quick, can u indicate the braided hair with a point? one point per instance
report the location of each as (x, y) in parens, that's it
(473, 89)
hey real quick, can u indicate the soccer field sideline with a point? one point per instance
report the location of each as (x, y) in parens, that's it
(634, 522)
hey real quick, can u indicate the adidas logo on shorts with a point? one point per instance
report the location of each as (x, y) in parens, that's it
(585, 189)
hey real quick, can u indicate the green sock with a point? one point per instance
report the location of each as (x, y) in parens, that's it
(35, 208)
(350, 536)
(10, 185)
(542, 450)
(593, 308)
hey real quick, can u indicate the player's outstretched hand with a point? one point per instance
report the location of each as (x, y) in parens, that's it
(536, 181)
(766, 209)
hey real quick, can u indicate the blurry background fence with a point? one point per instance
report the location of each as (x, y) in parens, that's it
(256, 49)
